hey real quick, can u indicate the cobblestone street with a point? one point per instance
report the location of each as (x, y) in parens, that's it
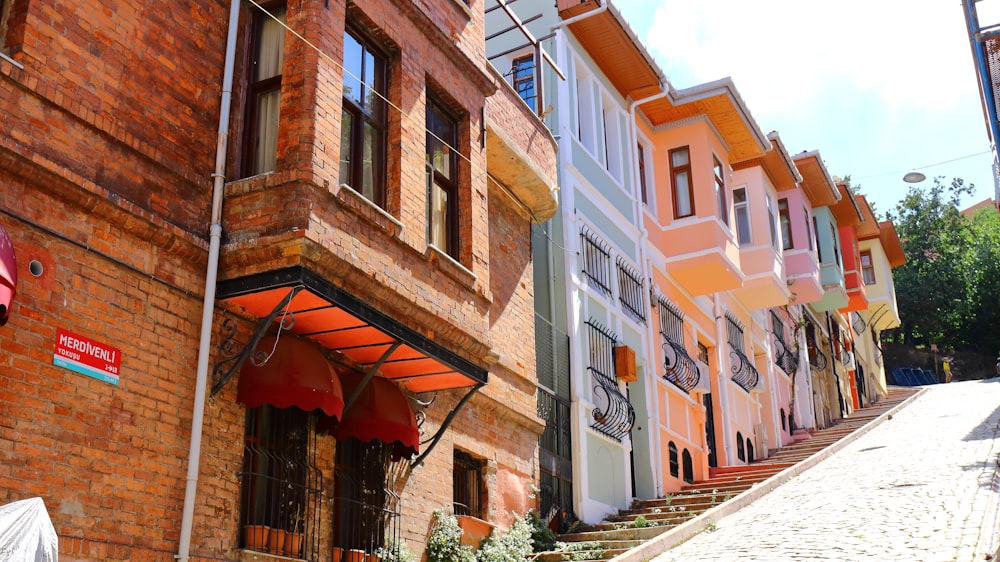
(919, 487)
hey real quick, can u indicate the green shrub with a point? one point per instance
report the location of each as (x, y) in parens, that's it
(396, 551)
(511, 546)
(445, 541)
(542, 538)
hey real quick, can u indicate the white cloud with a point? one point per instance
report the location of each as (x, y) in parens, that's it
(785, 55)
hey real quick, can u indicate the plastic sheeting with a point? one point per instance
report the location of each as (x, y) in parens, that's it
(26, 532)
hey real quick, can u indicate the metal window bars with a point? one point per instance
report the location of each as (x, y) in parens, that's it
(613, 414)
(817, 359)
(679, 368)
(630, 291)
(743, 372)
(467, 483)
(367, 501)
(596, 260)
(280, 484)
(784, 357)
(858, 323)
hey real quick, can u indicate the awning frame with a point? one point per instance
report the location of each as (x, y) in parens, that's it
(220, 373)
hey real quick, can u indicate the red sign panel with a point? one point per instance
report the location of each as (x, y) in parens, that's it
(87, 356)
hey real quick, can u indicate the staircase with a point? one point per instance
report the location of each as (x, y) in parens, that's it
(648, 518)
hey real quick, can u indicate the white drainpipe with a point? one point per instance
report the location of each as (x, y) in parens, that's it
(208, 307)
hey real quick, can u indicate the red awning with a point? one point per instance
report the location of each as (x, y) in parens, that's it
(296, 374)
(380, 413)
(8, 276)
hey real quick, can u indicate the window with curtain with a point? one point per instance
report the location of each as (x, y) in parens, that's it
(264, 90)
(364, 118)
(741, 211)
(442, 178)
(867, 267)
(680, 182)
(720, 189)
(785, 218)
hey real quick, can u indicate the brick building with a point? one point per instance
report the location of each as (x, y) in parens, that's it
(322, 327)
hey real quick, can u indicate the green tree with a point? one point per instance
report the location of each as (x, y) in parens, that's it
(935, 288)
(983, 327)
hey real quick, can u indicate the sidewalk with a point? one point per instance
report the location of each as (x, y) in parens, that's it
(919, 484)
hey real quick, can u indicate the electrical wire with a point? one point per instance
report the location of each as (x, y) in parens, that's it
(927, 166)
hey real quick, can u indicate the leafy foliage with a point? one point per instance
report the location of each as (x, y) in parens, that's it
(445, 541)
(947, 289)
(542, 538)
(512, 546)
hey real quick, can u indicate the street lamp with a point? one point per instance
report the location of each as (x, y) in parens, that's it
(914, 176)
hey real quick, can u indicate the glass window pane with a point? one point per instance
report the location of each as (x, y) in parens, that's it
(266, 142)
(346, 124)
(270, 46)
(353, 70)
(372, 154)
(743, 225)
(439, 217)
(679, 157)
(739, 195)
(682, 191)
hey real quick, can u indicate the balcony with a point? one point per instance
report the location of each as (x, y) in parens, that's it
(857, 299)
(702, 255)
(803, 276)
(764, 283)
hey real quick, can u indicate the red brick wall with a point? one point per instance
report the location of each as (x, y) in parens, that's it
(105, 181)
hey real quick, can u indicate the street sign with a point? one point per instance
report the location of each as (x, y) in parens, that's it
(87, 356)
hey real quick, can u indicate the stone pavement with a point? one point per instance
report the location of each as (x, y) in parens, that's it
(918, 487)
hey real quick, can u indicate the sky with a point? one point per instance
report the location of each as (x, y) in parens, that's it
(878, 87)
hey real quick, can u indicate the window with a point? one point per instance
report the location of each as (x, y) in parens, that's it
(522, 72)
(867, 267)
(264, 92)
(833, 235)
(596, 260)
(630, 293)
(688, 467)
(734, 332)
(740, 451)
(366, 506)
(680, 181)
(585, 110)
(641, 152)
(786, 224)
(772, 223)
(442, 179)
(702, 353)
(749, 451)
(784, 420)
(364, 118)
(468, 485)
(720, 190)
(279, 484)
(741, 210)
(819, 244)
(809, 236)
(674, 464)
(611, 122)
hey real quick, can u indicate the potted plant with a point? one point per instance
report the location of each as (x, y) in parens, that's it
(256, 537)
(295, 535)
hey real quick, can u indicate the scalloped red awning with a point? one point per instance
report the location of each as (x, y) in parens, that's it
(297, 374)
(8, 276)
(381, 413)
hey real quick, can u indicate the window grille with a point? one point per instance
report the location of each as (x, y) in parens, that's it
(858, 323)
(817, 359)
(468, 485)
(596, 260)
(743, 372)
(613, 414)
(679, 368)
(784, 357)
(630, 292)
(281, 486)
(367, 504)
(523, 77)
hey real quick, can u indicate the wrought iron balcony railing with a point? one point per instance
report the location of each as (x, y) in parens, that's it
(678, 366)
(613, 414)
(744, 373)
(630, 293)
(786, 359)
